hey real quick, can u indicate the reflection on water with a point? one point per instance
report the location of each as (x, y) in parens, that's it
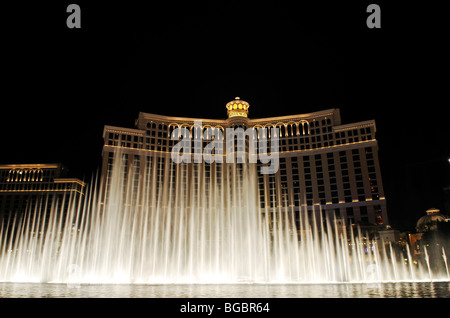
(375, 290)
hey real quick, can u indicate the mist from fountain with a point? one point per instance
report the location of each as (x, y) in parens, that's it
(181, 224)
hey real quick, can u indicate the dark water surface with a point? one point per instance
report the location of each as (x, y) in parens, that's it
(373, 290)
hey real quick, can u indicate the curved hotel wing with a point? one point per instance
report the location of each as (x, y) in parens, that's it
(323, 165)
(26, 187)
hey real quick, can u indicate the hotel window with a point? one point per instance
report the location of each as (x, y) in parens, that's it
(334, 196)
(361, 196)
(363, 211)
(347, 193)
(349, 211)
(297, 196)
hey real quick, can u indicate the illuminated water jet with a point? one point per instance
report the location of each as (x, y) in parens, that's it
(197, 225)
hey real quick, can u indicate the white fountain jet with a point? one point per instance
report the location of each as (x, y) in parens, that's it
(189, 223)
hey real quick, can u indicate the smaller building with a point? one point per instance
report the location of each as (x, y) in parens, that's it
(430, 221)
(433, 234)
(24, 186)
(389, 235)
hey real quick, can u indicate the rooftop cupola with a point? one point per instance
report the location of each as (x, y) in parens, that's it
(237, 107)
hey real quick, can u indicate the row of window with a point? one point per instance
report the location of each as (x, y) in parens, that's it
(289, 144)
(315, 190)
(27, 175)
(289, 130)
(40, 187)
(315, 169)
(166, 134)
(349, 215)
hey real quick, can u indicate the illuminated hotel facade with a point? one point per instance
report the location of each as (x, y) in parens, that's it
(24, 187)
(324, 165)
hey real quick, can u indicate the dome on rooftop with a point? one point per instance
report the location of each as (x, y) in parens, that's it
(428, 222)
(237, 107)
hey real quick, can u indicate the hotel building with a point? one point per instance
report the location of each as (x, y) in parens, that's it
(324, 165)
(24, 187)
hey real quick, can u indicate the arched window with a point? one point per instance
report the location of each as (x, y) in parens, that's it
(171, 129)
(289, 130)
(282, 131)
(303, 127)
(266, 132)
(198, 132)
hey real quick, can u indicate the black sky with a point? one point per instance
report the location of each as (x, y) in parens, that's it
(61, 86)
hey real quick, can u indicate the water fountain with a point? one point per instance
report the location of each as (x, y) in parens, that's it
(176, 225)
(444, 257)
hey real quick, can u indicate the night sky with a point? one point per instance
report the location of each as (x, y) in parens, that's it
(61, 86)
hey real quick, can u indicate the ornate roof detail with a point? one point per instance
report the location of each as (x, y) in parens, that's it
(237, 107)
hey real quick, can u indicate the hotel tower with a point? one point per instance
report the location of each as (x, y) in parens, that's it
(324, 166)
